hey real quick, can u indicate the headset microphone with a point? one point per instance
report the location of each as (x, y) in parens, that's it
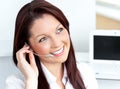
(47, 55)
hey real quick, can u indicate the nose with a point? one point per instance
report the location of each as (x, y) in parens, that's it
(56, 42)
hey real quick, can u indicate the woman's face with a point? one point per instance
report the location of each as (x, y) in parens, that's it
(49, 37)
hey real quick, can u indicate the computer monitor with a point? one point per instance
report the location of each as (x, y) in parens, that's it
(105, 46)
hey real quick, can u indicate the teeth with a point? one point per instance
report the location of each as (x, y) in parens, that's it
(59, 51)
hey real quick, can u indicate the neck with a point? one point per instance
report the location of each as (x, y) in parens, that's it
(56, 70)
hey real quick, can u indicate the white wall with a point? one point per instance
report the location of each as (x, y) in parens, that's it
(80, 13)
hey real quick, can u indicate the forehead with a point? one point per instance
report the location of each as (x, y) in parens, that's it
(44, 24)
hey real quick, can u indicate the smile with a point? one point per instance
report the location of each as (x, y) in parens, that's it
(59, 52)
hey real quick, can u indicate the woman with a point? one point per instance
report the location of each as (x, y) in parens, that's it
(44, 53)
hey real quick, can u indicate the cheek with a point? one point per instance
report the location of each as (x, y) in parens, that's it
(42, 49)
(66, 37)
(39, 48)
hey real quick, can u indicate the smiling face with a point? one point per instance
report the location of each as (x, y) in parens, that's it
(49, 37)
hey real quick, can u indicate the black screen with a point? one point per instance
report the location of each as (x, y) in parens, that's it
(107, 47)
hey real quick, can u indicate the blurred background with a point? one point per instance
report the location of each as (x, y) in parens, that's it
(108, 14)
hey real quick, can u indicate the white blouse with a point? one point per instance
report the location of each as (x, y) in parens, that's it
(18, 81)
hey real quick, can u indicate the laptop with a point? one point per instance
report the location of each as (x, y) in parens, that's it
(104, 50)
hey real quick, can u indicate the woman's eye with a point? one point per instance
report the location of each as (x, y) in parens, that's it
(42, 39)
(59, 30)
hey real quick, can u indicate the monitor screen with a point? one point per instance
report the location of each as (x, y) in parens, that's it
(106, 47)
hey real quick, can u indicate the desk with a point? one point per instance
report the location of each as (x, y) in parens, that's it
(108, 84)
(103, 83)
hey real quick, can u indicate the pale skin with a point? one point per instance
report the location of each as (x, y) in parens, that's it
(48, 36)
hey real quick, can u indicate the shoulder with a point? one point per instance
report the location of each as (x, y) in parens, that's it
(87, 75)
(15, 81)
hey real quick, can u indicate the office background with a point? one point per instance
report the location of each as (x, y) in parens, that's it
(81, 15)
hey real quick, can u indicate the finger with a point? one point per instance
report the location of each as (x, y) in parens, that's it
(32, 59)
(21, 54)
(33, 63)
(26, 46)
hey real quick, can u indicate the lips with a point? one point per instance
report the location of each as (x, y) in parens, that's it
(58, 52)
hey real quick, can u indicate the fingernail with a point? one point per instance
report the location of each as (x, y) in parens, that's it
(26, 44)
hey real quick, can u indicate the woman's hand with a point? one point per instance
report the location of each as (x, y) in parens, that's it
(29, 70)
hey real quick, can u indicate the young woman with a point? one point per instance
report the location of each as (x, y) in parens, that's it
(44, 53)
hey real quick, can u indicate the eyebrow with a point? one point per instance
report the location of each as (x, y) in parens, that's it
(43, 34)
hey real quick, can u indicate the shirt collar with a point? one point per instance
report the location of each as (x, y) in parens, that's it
(51, 78)
(65, 77)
